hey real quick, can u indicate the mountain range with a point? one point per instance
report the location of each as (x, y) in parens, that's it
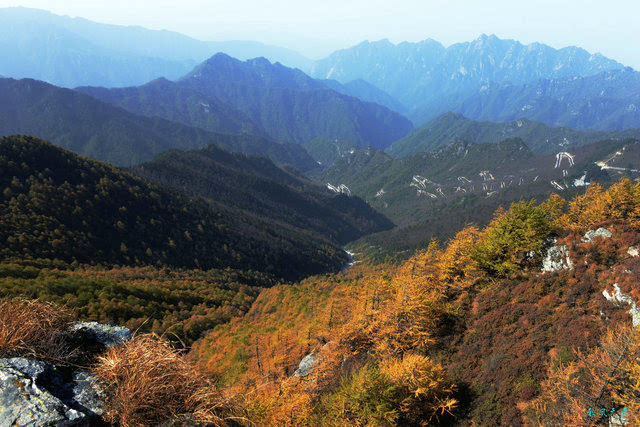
(99, 130)
(296, 241)
(72, 52)
(488, 79)
(434, 194)
(431, 79)
(256, 188)
(255, 215)
(539, 137)
(283, 102)
(609, 100)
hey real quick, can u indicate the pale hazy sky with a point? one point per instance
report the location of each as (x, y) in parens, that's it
(315, 28)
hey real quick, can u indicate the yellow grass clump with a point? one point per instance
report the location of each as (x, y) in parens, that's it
(148, 383)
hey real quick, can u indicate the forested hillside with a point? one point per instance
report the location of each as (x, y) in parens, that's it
(99, 130)
(540, 138)
(259, 189)
(436, 193)
(57, 205)
(527, 321)
(163, 98)
(476, 332)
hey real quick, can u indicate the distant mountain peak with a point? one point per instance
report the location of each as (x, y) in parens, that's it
(431, 80)
(219, 57)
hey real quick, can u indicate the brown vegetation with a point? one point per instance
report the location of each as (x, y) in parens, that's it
(148, 382)
(33, 329)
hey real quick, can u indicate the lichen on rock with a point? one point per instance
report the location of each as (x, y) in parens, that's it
(38, 393)
(106, 335)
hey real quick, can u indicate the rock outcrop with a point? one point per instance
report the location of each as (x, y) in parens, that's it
(617, 297)
(557, 258)
(105, 335)
(600, 232)
(38, 393)
(306, 364)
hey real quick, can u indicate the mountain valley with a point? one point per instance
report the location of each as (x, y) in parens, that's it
(230, 233)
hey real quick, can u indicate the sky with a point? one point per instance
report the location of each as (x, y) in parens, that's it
(316, 28)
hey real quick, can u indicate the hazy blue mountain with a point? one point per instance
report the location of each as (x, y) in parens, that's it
(540, 138)
(429, 78)
(73, 52)
(291, 106)
(607, 101)
(366, 92)
(327, 151)
(96, 129)
(166, 99)
(220, 95)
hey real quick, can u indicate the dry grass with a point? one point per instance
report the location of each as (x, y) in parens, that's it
(149, 383)
(33, 329)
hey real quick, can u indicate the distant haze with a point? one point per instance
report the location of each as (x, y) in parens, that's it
(315, 28)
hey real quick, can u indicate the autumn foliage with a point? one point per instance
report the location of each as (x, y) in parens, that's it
(469, 332)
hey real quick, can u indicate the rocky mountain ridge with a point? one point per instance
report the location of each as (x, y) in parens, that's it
(429, 78)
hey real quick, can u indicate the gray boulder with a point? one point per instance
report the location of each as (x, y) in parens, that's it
(600, 232)
(36, 393)
(105, 335)
(305, 366)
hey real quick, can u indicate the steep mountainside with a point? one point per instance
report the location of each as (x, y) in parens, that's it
(430, 78)
(163, 98)
(291, 106)
(257, 188)
(96, 129)
(327, 151)
(72, 52)
(498, 327)
(540, 138)
(531, 320)
(434, 194)
(57, 205)
(607, 101)
(366, 92)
